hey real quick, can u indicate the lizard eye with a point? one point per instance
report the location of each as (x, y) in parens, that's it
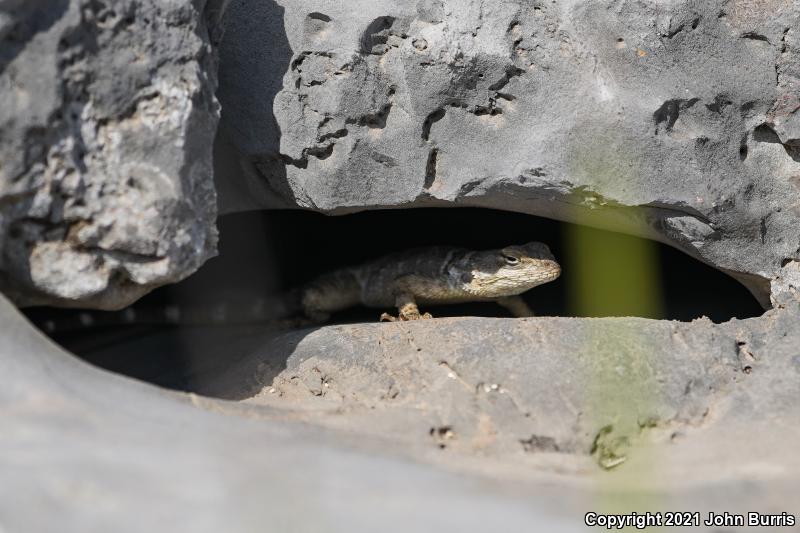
(510, 259)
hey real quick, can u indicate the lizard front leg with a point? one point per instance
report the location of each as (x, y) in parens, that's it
(406, 309)
(516, 306)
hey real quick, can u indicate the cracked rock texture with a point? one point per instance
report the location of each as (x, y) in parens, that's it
(107, 117)
(627, 413)
(556, 393)
(678, 121)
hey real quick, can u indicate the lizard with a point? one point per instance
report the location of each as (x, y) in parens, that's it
(434, 276)
(429, 276)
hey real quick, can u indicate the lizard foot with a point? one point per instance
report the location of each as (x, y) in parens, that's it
(406, 309)
(405, 317)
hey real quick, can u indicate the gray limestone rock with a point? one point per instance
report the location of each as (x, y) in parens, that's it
(94, 452)
(676, 121)
(552, 393)
(439, 425)
(107, 116)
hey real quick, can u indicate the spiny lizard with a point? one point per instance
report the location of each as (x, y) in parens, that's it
(434, 276)
(424, 276)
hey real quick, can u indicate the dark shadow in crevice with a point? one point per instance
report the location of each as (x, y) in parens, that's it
(262, 254)
(247, 145)
(764, 133)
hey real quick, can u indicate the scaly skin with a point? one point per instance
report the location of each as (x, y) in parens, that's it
(434, 276)
(426, 276)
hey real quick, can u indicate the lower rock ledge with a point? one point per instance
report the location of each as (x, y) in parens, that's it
(558, 394)
(522, 409)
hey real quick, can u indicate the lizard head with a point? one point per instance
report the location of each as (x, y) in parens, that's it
(511, 270)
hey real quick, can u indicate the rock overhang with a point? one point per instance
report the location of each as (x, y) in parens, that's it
(650, 123)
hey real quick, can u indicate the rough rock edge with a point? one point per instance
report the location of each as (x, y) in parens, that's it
(399, 81)
(109, 192)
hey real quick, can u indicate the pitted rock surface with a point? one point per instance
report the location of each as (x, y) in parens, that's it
(107, 116)
(675, 121)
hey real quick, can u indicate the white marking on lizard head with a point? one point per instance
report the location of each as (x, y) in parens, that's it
(511, 270)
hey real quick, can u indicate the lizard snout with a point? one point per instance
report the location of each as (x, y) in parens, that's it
(552, 268)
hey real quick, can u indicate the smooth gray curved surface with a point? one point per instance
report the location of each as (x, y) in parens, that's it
(448, 423)
(83, 450)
